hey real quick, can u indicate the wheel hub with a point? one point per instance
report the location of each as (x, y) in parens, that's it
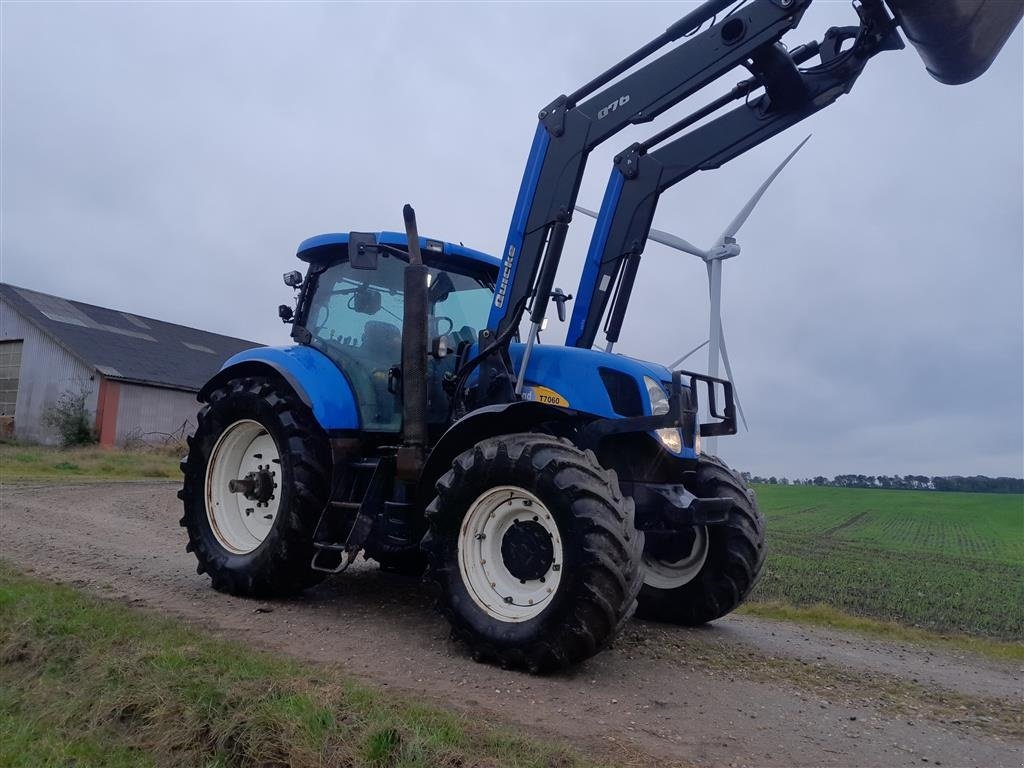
(242, 496)
(510, 554)
(256, 486)
(526, 550)
(667, 546)
(675, 560)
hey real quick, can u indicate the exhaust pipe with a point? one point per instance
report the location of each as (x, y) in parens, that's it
(414, 357)
(957, 39)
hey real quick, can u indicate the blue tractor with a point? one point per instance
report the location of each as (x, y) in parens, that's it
(547, 491)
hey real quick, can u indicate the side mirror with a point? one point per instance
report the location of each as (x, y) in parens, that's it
(293, 279)
(560, 297)
(362, 250)
(285, 313)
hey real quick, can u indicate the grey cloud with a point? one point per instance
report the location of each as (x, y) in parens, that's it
(166, 159)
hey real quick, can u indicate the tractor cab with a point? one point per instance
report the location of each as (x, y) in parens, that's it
(351, 308)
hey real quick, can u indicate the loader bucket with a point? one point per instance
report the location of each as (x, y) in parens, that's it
(957, 39)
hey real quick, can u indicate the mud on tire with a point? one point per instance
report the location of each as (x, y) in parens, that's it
(281, 564)
(600, 574)
(735, 557)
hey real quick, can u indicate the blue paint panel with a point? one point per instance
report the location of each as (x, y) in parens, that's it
(517, 229)
(317, 241)
(451, 252)
(320, 380)
(572, 373)
(586, 293)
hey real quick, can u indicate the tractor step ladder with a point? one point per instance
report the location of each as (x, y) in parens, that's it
(349, 516)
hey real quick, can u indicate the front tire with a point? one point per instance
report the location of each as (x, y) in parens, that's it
(255, 436)
(533, 548)
(723, 563)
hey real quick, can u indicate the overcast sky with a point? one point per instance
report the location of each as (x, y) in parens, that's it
(166, 159)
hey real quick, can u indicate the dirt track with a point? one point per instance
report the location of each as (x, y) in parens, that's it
(741, 692)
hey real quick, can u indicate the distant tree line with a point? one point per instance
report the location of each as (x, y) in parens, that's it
(972, 484)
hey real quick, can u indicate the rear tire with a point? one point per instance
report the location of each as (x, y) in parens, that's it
(731, 563)
(275, 560)
(564, 557)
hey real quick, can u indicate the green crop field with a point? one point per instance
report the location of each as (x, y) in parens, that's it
(940, 561)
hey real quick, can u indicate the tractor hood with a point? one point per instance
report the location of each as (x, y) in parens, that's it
(588, 380)
(957, 39)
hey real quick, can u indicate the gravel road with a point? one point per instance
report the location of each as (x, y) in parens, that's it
(742, 692)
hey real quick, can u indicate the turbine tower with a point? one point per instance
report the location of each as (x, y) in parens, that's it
(725, 247)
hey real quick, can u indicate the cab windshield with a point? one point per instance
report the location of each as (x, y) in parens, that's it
(355, 318)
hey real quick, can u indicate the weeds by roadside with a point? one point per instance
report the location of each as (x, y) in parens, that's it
(87, 682)
(27, 463)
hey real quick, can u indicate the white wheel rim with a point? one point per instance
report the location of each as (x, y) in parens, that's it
(670, 575)
(492, 586)
(241, 524)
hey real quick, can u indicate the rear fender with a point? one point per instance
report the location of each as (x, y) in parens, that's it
(317, 381)
(489, 421)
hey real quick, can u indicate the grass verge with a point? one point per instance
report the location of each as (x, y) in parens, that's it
(27, 463)
(86, 682)
(822, 615)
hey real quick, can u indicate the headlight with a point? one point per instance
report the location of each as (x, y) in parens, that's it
(671, 438)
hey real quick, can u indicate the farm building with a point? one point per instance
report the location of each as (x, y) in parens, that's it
(139, 376)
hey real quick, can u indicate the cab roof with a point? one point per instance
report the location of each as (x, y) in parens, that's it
(334, 246)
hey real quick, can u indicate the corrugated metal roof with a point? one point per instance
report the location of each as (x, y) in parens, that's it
(125, 346)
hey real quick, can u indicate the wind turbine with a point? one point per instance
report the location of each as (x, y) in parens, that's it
(725, 247)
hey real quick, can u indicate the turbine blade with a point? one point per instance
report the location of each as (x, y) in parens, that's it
(700, 346)
(728, 375)
(673, 241)
(744, 213)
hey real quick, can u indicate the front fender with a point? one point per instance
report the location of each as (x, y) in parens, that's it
(317, 381)
(491, 420)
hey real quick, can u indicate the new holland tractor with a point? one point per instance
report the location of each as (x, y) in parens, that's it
(548, 491)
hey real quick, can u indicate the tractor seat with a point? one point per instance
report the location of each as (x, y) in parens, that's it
(382, 341)
(465, 335)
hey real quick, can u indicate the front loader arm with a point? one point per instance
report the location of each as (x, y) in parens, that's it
(640, 175)
(570, 127)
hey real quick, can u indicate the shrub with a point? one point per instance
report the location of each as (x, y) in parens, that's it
(70, 419)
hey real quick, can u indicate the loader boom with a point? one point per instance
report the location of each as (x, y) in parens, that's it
(642, 173)
(571, 126)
